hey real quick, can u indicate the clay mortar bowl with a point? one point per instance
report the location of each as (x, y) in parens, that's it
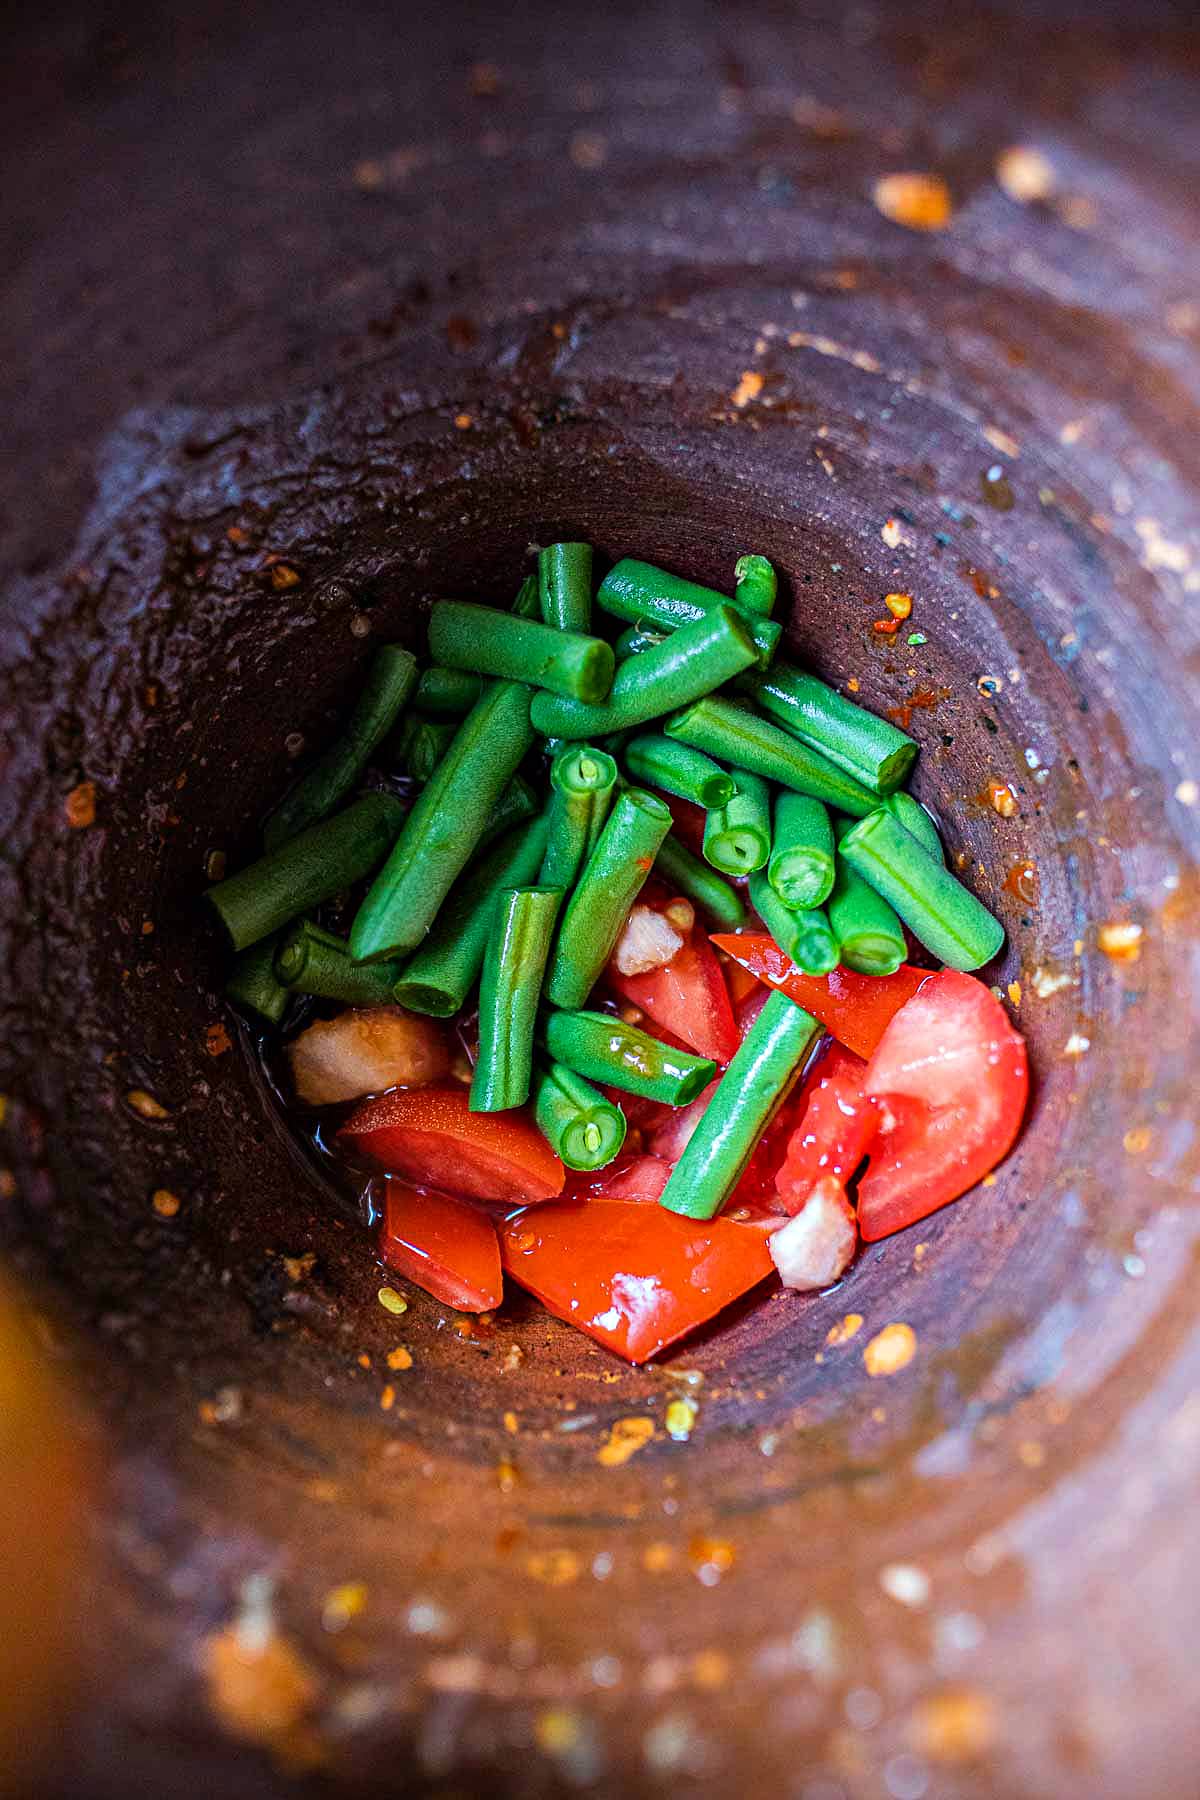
(308, 297)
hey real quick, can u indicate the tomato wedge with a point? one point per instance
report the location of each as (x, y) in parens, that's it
(686, 997)
(950, 1078)
(837, 1124)
(856, 1008)
(431, 1136)
(635, 1278)
(446, 1246)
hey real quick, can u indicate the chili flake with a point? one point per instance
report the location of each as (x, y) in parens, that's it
(890, 1350)
(399, 1358)
(79, 806)
(899, 605)
(217, 1040)
(917, 201)
(845, 1329)
(165, 1203)
(626, 1437)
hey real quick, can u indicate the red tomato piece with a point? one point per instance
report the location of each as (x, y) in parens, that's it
(641, 1180)
(447, 1246)
(857, 1009)
(634, 1278)
(950, 1078)
(837, 1124)
(430, 1136)
(686, 997)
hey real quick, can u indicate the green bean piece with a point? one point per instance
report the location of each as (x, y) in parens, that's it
(737, 837)
(447, 693)
(510, 987)
(438, 977)
(527, 605)
(738, 735)
(390, 680)
(678, 770)
(947, 918)
(803, 933)
(612, 878)
(751, 1091)
(465, 636)
(644, 595)
(310, 960)
(636, 638)
(254, 984)
(873, 750)
(690, 662)
(912, 815)
(311, 867)
(422, 743)
(583, 782)
(565, 586)
(446, 823)
(801, 865)
(687, 875)
(870, 936)
(517, 803)
(583, 1128)
(599, 1047)
(757, 585)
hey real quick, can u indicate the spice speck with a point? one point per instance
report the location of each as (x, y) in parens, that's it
(890, 1350)
(748, 388)
(625, 1438)
(1120, 940)
(917, 201)
(391, 1301)
(165, 1203)
(79, 807)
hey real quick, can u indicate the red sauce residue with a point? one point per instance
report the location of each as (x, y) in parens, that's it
(922, 699)
(1022, 880)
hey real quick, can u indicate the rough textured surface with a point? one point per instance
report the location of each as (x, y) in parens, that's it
(386, 305)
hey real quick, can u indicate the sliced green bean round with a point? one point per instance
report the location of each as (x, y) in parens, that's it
(438, 977)
(601, 1048)
(870, 936)
(873, 750)
(583, 782)
(751, 1091)
(311, 867)
(447, 693)
(390, 680)
(583, 1128)
(687, 875)
(738, 735)
(801, 866)
(912, 815)
(803, 933)
(737, 836)
(644, 595)
(510, 987)
(690, 662)
(565, 586)
(465, 636)
(311, 960)
(947, 918)
(254, 984)
(446, 823)
(611, 880)
(757, 585)
(677, 769)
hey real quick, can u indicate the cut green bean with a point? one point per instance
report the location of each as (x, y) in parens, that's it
(690, 662)
(947, 918)
(915, 820)
(390, 680)
(583, 1128)
(687, 875)
(311, 960)
(676, 769)
(801, 865)
(447, 693)
(445, 825)
(583, 782)
(737, 837)
(565, 586)
(757, 585)
(510, 987)
(803, 933)
(736, 734)
(309, 868)
(422, 743)
(636, 638)
(527, 605)
(438, 977)
(609, 884)
(465, 636)
(870, 937)
(600, 1048)
(876, 752)
(751, 1091)
(644, 595)
(254, 984)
